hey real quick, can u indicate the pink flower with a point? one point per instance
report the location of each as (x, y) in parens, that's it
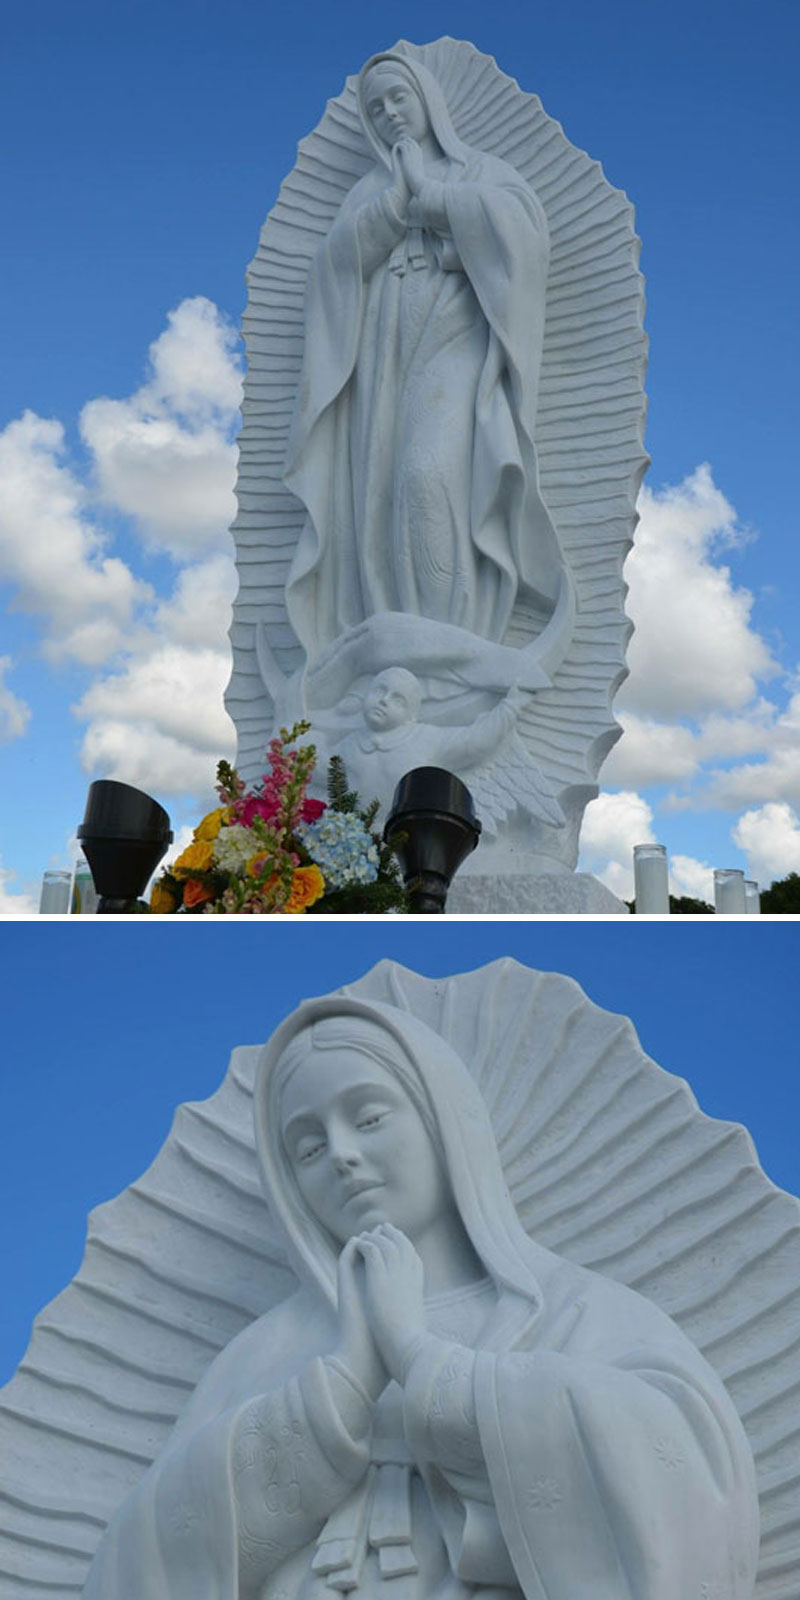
(257, 805)
(312, 810)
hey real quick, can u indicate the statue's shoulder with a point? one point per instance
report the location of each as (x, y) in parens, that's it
(610, 1317)
(619, 1322)
(495, 173)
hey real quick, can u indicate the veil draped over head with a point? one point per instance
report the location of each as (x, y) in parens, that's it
(430, 93)
(580, 1400)
(439, 1084)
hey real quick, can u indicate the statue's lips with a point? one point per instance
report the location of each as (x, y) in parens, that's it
(362, 1188)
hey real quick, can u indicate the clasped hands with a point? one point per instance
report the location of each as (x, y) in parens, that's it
(381, 1306)
(408, 170)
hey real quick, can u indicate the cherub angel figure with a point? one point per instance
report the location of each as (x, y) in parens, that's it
(390, 740)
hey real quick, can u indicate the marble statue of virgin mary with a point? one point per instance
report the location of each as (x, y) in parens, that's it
(412, 446)
(444, 1410)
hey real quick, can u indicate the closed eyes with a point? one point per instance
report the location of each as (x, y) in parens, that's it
(397, 98)
(306, 1149)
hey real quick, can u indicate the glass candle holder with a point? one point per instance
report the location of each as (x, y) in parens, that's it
(56, 892)
(729, 892)
(651, 880)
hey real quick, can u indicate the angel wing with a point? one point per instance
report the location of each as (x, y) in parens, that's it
(609, 1160)
(511, 781)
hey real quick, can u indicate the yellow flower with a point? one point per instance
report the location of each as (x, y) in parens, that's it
(210, 825)
(161, 901)
(308, 886)
(196, 857)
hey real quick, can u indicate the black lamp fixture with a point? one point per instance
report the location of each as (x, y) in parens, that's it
(432, 828)
(124, 835)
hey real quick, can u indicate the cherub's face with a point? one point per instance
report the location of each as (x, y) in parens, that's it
(394, 107)
(388, 703)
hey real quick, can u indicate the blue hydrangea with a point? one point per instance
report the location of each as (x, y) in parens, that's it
(342, 848)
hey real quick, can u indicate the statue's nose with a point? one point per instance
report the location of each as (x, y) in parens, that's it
(343, 1160)
(342, 1149)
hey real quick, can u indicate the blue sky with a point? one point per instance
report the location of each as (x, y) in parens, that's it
(103, 1038)
(148, 144)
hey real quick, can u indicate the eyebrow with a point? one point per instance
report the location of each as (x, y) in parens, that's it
(307, 1115)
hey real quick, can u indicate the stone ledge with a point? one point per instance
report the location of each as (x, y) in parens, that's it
(566, 894)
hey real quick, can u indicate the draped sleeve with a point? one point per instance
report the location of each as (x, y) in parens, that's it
(237, 1493)
(624, 1478)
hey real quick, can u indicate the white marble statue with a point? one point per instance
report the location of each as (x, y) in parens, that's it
(412, 446)
(448, 1293)
(445, 1410)
(442, 429)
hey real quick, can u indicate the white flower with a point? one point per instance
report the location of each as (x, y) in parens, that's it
(234, 846)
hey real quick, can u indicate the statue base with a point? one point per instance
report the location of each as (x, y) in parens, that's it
(556, 894)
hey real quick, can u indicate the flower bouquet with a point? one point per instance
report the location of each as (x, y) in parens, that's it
(273, 849)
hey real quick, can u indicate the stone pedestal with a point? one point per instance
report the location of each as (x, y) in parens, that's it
(565, 894)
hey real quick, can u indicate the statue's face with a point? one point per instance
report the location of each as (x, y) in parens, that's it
(394, 107)
(360, 1151)
(387, 702)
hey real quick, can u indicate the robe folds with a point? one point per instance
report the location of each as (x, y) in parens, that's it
(577, 1447)
(412, 447)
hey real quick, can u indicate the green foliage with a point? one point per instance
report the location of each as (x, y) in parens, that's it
(782, 898)
(340, 798)
(683, 905)
(361, 900)
(229, 784)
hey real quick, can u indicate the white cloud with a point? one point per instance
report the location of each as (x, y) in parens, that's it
(654, 752)
(15, 903)
(158, 664)
(166, 456)
(770, 838)
(14, 713)
(197, 613)
(195, 364)
(612, 825)
(651, 752)
(690, 877)
(54, 554)
(694, 650)
(777, 777)
(725, 737)
(160, 723)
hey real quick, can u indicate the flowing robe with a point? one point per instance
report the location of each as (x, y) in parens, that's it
(575, 1447)
(412, 445)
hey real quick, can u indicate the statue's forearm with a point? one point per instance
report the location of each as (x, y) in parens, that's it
(440, 1414)
(296, 1454)
(380, 227)
(483, 737)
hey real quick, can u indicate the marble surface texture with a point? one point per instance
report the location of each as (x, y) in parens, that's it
(441, 449)
(550, 1359)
